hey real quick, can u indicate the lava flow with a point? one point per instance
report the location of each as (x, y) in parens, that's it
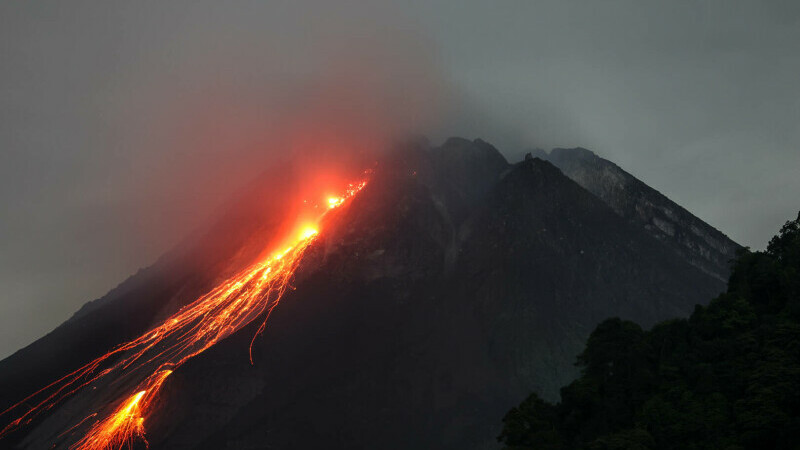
(147, 361)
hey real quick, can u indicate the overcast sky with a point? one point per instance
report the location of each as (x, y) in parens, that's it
(124, 124)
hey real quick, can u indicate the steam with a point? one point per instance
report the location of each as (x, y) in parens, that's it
(332, 109)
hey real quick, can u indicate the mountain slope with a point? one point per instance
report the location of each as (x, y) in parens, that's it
(450, 287)
(699, 243)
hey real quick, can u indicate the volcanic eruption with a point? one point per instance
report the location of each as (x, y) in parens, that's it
(430, 299)
(129, 377)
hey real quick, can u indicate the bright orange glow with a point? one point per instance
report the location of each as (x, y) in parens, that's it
(308, 232)
(119, 429)
(333, 202)
(254, 292)
(126, 423)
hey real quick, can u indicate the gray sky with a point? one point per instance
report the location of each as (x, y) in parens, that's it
(124, 124)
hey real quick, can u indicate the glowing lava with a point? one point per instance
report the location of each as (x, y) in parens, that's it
(147, 361)
(333, 202)
(308, 233)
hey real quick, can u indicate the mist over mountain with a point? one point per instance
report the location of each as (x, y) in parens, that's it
(452, 286)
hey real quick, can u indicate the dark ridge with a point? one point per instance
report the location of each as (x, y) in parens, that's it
(699, 243)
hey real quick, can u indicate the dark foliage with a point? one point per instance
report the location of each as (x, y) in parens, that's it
(726, 378)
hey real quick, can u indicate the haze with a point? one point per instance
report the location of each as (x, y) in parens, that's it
(124, 126)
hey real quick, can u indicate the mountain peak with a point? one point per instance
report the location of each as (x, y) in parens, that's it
(478, 149)
(575, 152)
(701, 244)
(543, 171)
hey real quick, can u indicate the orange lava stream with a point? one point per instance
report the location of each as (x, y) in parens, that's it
(153, 356)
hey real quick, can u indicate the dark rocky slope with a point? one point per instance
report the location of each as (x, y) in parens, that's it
(452, 286)
(699, 243)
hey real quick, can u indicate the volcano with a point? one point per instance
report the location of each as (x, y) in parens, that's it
(452, 285)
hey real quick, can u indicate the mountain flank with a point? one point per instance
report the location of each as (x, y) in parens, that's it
(453, 285)
(699, 243)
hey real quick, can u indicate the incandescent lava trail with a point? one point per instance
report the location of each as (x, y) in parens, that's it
(143, 364)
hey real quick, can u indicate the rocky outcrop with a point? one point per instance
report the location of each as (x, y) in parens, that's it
(699, 243)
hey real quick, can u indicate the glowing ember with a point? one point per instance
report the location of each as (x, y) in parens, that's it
(118, 429)
(151, 358)
(333, 202)
(307, 233)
